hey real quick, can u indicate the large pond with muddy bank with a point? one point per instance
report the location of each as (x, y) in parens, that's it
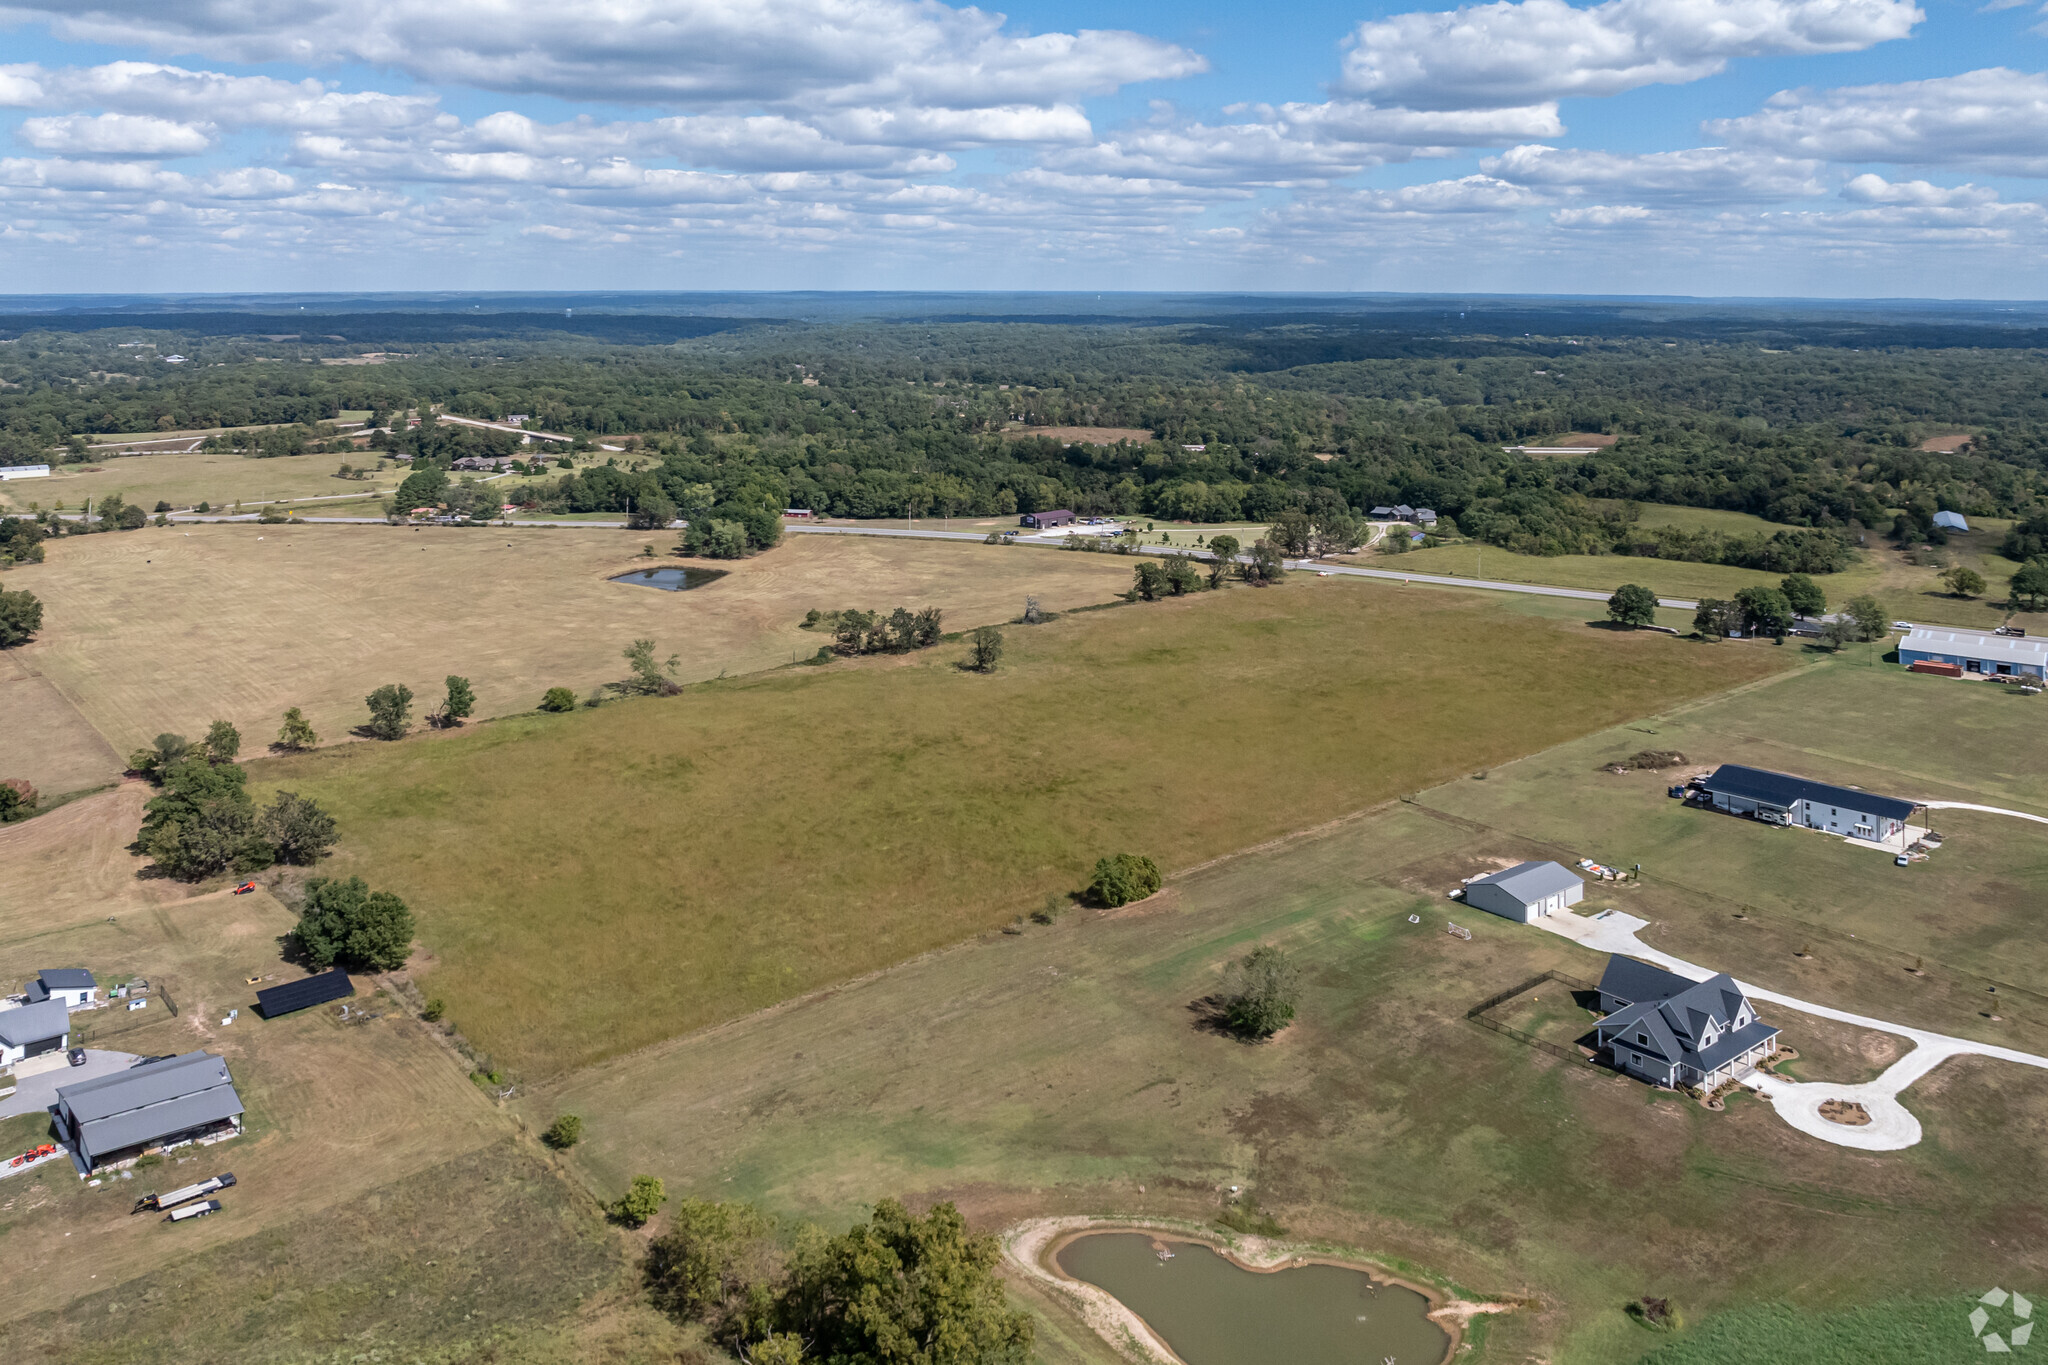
(1209, 1309)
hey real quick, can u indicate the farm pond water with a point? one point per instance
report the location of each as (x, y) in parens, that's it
(1211, 1311)
(670, 579)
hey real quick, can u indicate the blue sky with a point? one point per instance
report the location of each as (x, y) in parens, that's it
(1746, 147)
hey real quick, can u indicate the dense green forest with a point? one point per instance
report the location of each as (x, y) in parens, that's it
(1250, 416)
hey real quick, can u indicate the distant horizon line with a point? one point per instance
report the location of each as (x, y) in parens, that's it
(1120, 294)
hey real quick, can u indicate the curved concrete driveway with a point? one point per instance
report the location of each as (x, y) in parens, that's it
(1891, 1127)
(33, 1093)
(1988, 810)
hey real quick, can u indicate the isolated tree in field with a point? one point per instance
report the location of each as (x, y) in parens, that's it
(1632, 605)
(1148, 582)
(651, 513)
(390, 711)
(1835, 634)
(1225, 548)
(21, 616)
(649, 678)
(344, 921)
(1869, 615)
(1765, 611)
(223, 741)
(1963, 582)
(17, 799)
(1715, 618)
(1267, 564)
(1182, 577)
(640, 1202)
(907, 1291)
(1260, 992)
(565, 1132)
(423, 487)
(459, 701)
(296, 829)
(159, 756)
(558, 699)
(2029, 585)
(1293, 532)
(297, 732)
(1124, 878)
(202, 822)
(985, 649)
(1337, 531)
(1803, 595)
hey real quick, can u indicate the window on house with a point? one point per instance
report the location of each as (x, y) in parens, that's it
(1643, 1038)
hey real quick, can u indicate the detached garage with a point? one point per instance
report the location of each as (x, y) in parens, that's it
(1526, 891)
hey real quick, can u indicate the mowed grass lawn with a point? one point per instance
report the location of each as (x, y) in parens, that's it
(1969, 914)
(593, 882)
(169, 628)
(1067, 1070)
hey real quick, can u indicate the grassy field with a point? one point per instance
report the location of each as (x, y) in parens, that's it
(221, 478)
(754, 839)
(1068, 1069)
(46, 740)
(169, 628)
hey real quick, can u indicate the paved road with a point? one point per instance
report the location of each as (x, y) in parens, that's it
(1491, 585)
(1891, 1127)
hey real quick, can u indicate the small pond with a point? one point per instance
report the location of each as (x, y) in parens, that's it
(1212, 1311)
(670, 578)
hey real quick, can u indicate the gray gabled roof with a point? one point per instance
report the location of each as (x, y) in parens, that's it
(1635, 981)
(1529, 882)
(34, 1023)
(66, 979)
(1675, 1023)
(138, 1126)
(1783, 789)
(142, 1086)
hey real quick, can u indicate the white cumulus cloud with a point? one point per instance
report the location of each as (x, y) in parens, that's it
(115, 135)
(1528, 51)
(1996, 119)
(1698, 175)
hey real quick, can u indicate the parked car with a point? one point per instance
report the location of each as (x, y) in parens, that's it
(1902, 625)
(78, 1056)
(1903, 861)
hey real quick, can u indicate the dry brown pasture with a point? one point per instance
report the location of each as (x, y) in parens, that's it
(72, 867)
(334, 1110)
(45, 739)
(169, 628)
(184, 480)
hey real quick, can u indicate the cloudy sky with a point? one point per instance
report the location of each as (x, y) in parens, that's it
(1729, 147)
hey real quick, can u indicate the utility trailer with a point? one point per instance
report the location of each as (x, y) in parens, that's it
(155, 1202)
(193, 1211)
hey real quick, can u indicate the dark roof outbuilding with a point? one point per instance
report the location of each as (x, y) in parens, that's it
(1784, 791)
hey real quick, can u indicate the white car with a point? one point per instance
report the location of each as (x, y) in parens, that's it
(1902, 625)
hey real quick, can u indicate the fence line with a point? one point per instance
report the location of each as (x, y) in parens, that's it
(1478, 1015)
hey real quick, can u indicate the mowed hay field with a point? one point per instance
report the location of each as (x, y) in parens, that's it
(169, 628)
(44, 739)
(185, 480)
(593, 882)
